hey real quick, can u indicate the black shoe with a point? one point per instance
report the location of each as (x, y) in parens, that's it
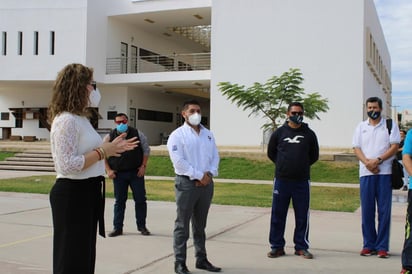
(116, 232)
(181, 268)
(206, 265)
(144, 231)
(275, 253)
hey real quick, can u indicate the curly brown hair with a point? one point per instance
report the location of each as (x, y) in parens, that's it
(70, 91)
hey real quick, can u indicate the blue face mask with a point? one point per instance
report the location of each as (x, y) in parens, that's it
(297, 119)
(122, 127)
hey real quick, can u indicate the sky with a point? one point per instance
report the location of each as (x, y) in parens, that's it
(396, 20)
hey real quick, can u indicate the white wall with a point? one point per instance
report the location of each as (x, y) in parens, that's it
(371, 86)
(66, 18)
(325, 39)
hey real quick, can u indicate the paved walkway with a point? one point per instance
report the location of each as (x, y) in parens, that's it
(237, 240)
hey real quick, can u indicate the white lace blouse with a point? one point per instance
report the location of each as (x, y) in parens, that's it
(72, 136)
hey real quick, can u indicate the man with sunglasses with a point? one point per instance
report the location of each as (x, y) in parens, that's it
(128, 170)
(293, 148)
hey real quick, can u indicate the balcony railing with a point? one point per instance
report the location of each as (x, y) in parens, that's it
(158, 63)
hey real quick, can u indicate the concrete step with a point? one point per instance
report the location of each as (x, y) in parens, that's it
(37, 151)
(33, 154)
(26, 163)
(27, 168)
(29, 159)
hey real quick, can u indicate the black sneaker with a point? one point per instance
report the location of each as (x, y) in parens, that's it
(144, 231)
(115, 232)
(304, 253)
(274, 253)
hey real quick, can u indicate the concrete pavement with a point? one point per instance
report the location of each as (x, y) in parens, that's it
(237, 240)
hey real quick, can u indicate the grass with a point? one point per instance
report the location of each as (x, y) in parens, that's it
(4, 155)
(242, 168)
(259, 195)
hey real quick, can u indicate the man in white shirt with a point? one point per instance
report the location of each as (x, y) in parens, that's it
(195, 159)
(375, 149)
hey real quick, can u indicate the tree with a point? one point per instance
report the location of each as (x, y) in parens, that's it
(273, 97)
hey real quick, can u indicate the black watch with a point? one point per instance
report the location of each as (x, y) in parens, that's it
(380, 160)
(209, 174)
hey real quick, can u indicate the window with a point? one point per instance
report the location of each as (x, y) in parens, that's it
(42, 115)
(157, 116)
(18, 114)
(52, 42)
(133, 63)
(5, 116)
(4, 43)
(36, 43)
(111, 115)
(124, 56)
(20, 43)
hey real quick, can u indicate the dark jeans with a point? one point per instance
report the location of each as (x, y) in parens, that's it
(407, 245)
(123, 180)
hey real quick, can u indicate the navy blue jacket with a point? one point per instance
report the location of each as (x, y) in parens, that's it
(293, 151)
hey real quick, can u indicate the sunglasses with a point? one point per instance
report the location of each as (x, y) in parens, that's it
(294, 113)
(121, 122)
(93, 84)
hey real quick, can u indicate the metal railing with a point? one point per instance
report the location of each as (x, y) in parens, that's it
(158, 63)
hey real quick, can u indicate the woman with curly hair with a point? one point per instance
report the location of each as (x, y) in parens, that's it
(77, 197)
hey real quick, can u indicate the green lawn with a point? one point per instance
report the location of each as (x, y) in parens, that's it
(260, 195)
(242, 168)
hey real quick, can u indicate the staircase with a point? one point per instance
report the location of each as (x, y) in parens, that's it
(29, 160)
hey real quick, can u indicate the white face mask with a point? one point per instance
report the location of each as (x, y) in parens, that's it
(94, 98)
(195, 119)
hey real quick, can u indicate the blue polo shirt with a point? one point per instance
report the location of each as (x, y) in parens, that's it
(407, 149)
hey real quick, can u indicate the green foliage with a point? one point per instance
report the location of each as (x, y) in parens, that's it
(273, 97)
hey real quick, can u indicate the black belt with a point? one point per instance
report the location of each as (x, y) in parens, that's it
(184, 176)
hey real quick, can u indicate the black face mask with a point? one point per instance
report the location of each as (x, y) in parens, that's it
(297, 119)
(374, 114)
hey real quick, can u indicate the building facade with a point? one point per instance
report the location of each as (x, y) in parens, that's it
(149, 56)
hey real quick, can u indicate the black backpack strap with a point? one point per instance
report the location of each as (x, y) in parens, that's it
(389, 125)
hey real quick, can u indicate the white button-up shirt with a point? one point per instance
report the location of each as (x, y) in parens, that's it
(193, 154)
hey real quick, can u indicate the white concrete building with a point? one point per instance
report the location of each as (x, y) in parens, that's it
(149, 56)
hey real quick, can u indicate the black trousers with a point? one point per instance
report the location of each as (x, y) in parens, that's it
(77, 206)
(407, 245)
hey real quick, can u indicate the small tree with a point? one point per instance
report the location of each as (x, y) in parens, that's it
(273, 97)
